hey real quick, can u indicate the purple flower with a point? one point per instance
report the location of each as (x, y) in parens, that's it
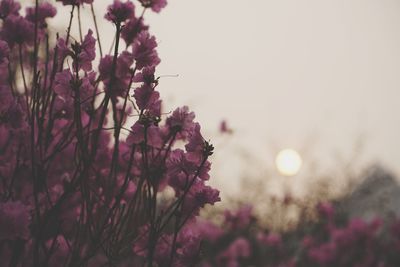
(45, 10)
(155, 109)
(240, 218)
(143, 50)
(146, 76)
(196, 147)
(82, 54)
(14, 221)
(181, 122)
(122, 73)
(17, 30)
(189, 244)
(62, 83)
(6, 98)
(124, 64)
(14, 116)
(179, 167)
(206, 195)
(145, 96)
(4, 54)
(271, 240)
(238, 249)
(9, 7)
(65, 109)
(75, 2)
(86, 89)
(199, 195)
(209, 231)
(132, 29)
(87, 52)
(163, 247)
(119, 12)
(139, 132)
(62, 49)
(155, 5)
(323, 254)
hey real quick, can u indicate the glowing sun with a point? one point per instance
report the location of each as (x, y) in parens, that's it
(288, 162)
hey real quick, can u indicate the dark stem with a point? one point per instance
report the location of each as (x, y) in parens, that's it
(80, 24)
(97, 29)
(70, 24)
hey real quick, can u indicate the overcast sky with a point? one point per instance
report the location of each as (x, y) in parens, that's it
(313, 75)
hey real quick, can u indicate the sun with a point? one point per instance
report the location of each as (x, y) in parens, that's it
(288, 162)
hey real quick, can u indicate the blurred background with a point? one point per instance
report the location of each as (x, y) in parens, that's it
(320, 78)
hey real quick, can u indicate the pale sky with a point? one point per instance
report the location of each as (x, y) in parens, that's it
(313, 75)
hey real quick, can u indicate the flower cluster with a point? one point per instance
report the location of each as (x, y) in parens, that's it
(329, 242)
(87, 156)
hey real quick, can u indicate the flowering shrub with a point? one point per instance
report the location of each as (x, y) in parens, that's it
(86, 155)
(331, 241)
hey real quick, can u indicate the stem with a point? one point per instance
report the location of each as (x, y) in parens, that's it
(80, 24)
(37, 238)
(179, 202)
(97, 29)
(21, 65)
(108, 91)
(70, 24)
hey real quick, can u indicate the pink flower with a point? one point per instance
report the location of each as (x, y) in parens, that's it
(146, 76)
(14, 116)
(119, 12)
(163, 247)
(14, 221)
(238, 249)
(122, 73)
(178, 163)
(132, 29)
(45, 10)
(208, 231)
(155, 5)
(62, 49)
(206, 195)
(9, 7)
(240, 218)
(63, 83)
(324, 254)
(199, 195)
(139, 132)
(17, 30)
(197, 148)
(181, 122)
(145, 96)
(358, 227)
(4, 54)
(143, 50)
(86, 89)
(86, 52)
(188, 245)
(6, 98)
(82, 54)
(273, 240)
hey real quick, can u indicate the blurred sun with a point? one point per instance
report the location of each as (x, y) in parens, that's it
(288, 162)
